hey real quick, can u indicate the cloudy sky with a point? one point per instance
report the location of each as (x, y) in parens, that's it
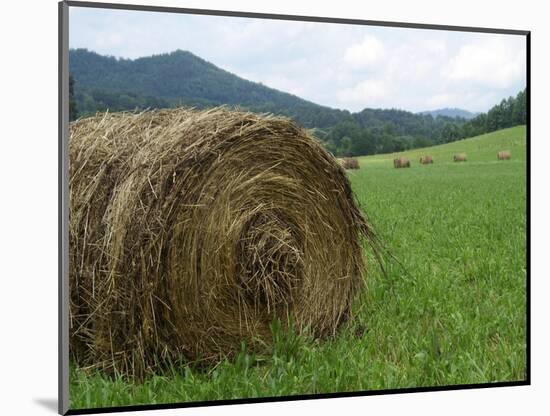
(341, 66)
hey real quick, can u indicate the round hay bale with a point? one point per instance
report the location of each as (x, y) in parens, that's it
(504, 155)
(426, 160)
(350, 163)
(401, 162)
(191, 231)
(460, 157)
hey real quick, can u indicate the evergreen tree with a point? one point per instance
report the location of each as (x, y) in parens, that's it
(73, 112)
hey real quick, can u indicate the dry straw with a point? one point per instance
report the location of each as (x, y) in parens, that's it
(504, 155)
(460, 157)
(350, 163)
(426, 160)
(401, 162)
(191, 231)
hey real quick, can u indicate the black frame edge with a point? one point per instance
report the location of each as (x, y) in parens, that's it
(183, 405)
(528, 211)
(227, 13)
(63, 208)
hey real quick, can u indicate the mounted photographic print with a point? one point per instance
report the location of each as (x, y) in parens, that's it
(263, 207)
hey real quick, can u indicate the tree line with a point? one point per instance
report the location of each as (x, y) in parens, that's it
(386, 131)
(100, 83)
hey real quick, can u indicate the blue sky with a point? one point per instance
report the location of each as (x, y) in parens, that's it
(341, 66)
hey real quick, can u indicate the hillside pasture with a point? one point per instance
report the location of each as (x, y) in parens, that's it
(479, 149)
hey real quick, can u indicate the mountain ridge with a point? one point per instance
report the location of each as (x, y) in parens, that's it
(190, 80)
(180, 78)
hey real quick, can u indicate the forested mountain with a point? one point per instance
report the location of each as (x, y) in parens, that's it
(181, 78)
(451, 112)
(101, 82)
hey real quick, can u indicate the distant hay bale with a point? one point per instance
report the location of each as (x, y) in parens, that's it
(350, 163)
(190, 231)
(460, 157)
(425, 160)
(504, 155)
(401, 162)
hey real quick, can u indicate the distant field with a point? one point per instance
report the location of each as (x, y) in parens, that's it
(482, 148)
(453, 313)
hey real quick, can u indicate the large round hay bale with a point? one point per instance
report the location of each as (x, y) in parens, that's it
(460, 157)
(192, 231)
(504, 155)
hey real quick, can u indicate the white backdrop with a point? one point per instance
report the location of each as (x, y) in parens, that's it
(28, 220)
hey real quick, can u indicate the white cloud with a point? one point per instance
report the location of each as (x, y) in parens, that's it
(366, 92)
(365, 54)
(439, 100)
(417, 59)
(283, 83)
(341, 66)
(493, 62)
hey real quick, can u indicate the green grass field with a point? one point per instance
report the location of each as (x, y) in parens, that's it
(454, 313)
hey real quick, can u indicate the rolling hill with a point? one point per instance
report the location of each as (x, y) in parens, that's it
(481, 148)
(451, 112)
